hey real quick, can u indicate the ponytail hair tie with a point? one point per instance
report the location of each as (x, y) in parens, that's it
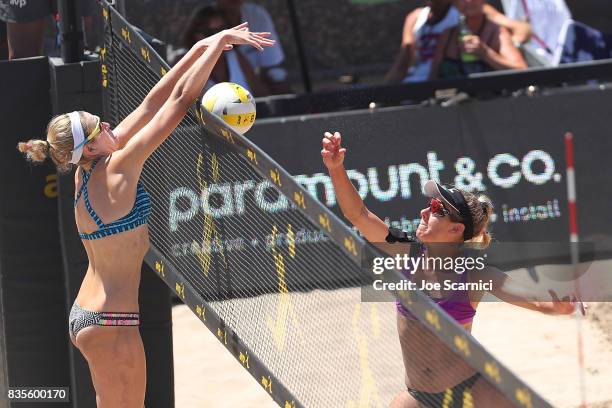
(48, 151)
(484, 204)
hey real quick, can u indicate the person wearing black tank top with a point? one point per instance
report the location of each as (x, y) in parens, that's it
(489, 48)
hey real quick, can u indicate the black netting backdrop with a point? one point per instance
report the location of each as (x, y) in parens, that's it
(289, 292)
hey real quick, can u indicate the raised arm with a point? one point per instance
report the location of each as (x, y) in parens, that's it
(185, 92)
(373, 228)
(520, 30)
(158, 95)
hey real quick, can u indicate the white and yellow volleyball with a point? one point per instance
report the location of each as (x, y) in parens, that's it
(232, 103)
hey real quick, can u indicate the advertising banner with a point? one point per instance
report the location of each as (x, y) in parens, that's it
(511, 150)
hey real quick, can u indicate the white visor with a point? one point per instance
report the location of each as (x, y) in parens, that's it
(78, 136)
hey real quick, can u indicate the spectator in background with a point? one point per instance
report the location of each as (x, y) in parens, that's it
(231, 66)
(547, 19)
(25, 24)
(269, 63)
(476, 45)
(557, 38)
(422, 28)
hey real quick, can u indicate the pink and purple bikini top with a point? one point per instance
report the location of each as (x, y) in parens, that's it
(457, 305)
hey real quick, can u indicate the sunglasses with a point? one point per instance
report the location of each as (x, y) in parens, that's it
(92, 136)
(437, 208)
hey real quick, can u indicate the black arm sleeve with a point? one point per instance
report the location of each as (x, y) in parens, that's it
(397, 235)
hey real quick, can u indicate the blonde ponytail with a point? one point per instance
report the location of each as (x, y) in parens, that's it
(35, 150)
(481, 208)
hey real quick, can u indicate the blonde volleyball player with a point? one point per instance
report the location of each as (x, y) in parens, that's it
(112, 209)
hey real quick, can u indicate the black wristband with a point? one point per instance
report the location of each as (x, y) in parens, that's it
(397, 235)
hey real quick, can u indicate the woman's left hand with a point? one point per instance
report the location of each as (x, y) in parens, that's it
(240, 34)
(206, 42)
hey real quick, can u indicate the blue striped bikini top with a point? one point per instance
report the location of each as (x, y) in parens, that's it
(138, 216)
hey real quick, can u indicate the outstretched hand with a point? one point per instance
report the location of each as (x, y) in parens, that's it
(237, 35)
(332, 152)
(567, 305)
(241, 35)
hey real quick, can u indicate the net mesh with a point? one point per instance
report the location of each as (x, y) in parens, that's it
(250, 264)
(288, 291)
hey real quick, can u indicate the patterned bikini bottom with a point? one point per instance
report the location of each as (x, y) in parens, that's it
(81, 318)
